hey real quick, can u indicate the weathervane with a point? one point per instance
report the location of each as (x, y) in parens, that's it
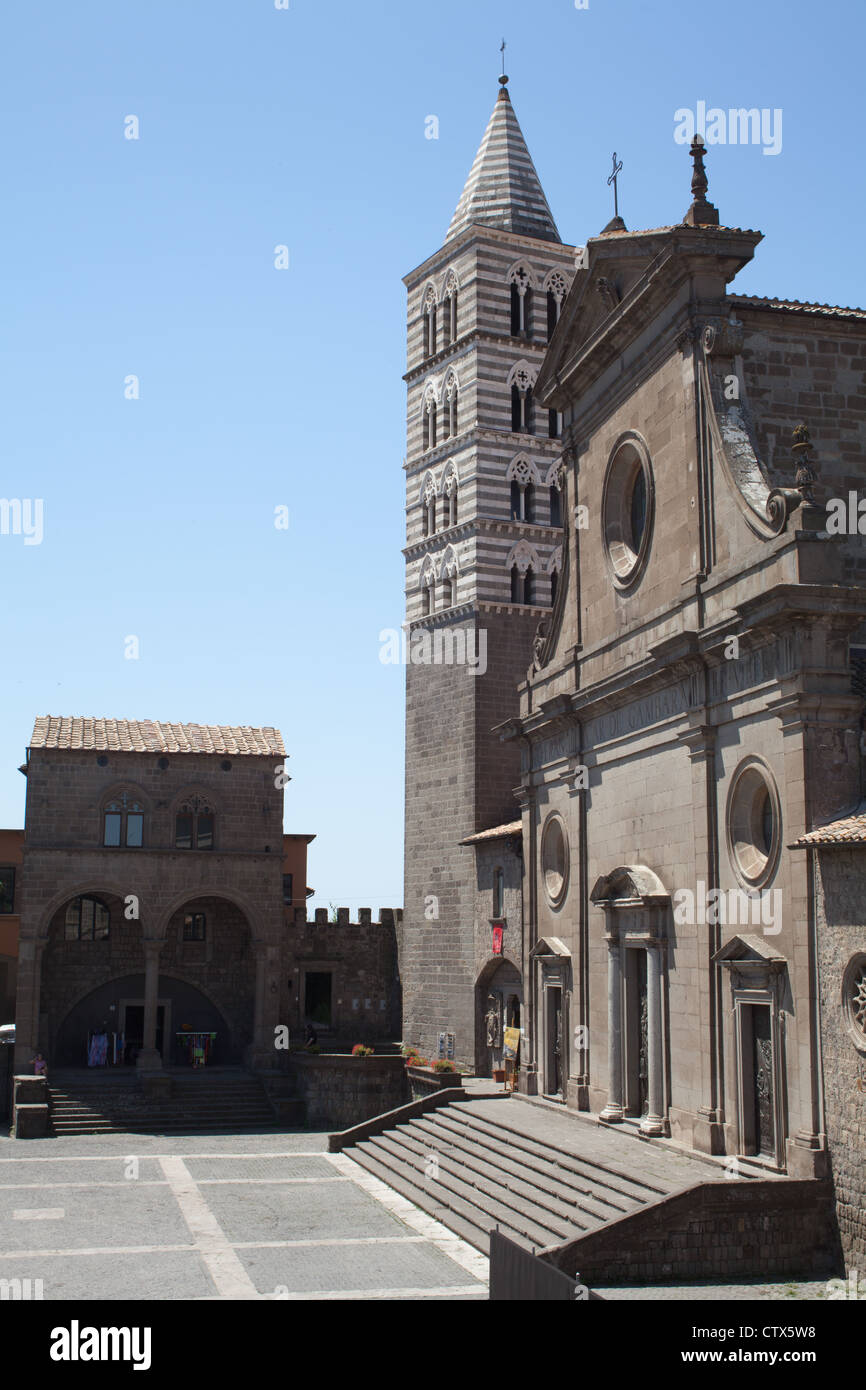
(617, 167)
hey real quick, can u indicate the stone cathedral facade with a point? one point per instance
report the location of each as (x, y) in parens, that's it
(483, 556)
(659, 871)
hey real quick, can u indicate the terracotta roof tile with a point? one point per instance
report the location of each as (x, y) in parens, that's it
(150, 736)
(498, 832)
(847, 830)
(796, 306)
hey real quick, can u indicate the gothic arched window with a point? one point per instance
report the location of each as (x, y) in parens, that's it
(123, 823)
(521, 302)
(450, 490)
(557, 288)
(194, 825)
(451, 308)
(452, 393)
(430, 421)
(498, 894)
(429, 313)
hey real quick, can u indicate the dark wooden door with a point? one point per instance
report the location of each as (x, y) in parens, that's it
(762, 1071)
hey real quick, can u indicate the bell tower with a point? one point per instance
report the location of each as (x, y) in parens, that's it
(483, 554)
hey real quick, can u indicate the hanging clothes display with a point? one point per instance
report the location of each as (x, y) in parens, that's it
(195, 1049)
(105, 1049)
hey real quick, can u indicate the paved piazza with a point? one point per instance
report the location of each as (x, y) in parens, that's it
(243, 1217)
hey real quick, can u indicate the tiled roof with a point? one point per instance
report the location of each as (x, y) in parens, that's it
(795, 306)
(149, 736)
(499, 832)
(503, 190)
(848, 830)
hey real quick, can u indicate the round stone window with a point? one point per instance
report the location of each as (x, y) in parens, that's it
(554, 860)
(754, 823)
(627, 509)
(854, 999)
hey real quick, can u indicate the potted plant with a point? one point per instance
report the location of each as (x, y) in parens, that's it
(361, 1050)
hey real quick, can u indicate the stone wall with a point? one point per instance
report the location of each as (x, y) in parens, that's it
(841, 936)
(340, 1091)
(760, 1229)
(363, 959)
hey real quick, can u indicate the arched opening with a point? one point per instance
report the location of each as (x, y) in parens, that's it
(115, 1011)
(498, 1006)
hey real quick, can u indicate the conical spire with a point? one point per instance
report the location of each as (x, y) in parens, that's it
(503, 189)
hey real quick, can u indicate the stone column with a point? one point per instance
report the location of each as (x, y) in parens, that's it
(148, 1058)
(613, 1111)
(653, 1122)
(29, 986)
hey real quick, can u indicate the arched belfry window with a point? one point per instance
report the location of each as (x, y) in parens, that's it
(429, 409)
(428, 586)
(523, 477)
(449, 573)
(521, 379)
(123, 822)
(521, 302)
(194, 824)
(429, 322)
(554, 568)
(449, 489)
(452, 393)
(524, 568)
(428, 506)
(451, 292)
(557, 288)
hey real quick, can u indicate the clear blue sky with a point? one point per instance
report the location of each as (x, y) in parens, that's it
(262, 387)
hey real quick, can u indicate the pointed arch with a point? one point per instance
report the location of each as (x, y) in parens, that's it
(429, 307)
(523, 565)
(450, 301)
(524, 469)
(427, 584)
(449, 573)
(521, 281)
(427, 501)
(451, 399)
(523, 475)
(429, 412)
(450, 487)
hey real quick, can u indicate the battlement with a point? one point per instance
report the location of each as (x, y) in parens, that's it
(388, 917)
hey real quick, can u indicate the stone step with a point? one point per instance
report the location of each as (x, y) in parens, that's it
(578, 1208)
(603, 1175)
(469, 1222)
(457, 1191)
(595, 1191)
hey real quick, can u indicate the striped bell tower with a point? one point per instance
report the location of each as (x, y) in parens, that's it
(483, 550)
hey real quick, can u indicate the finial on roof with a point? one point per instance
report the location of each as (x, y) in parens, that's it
(616, 223)
(701, 213)
(503, 81)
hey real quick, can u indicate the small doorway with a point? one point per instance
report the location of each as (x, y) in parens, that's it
(554, 1068)
(636, 1067)
(133, 1028)
(760, 1088)
(317, 997)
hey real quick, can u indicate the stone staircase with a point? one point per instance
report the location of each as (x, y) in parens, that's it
(479, 1164)
(205, 1102)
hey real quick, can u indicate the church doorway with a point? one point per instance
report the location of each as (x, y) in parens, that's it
(635, 1060)
(499, 1006)
(759, 1100)
(553, 1071)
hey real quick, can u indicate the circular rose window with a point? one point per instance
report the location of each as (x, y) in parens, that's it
(854, 999)
(554, 860)
(627, 509)
(753, 823)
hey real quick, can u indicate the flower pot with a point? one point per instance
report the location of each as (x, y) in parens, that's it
(499, 1074)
